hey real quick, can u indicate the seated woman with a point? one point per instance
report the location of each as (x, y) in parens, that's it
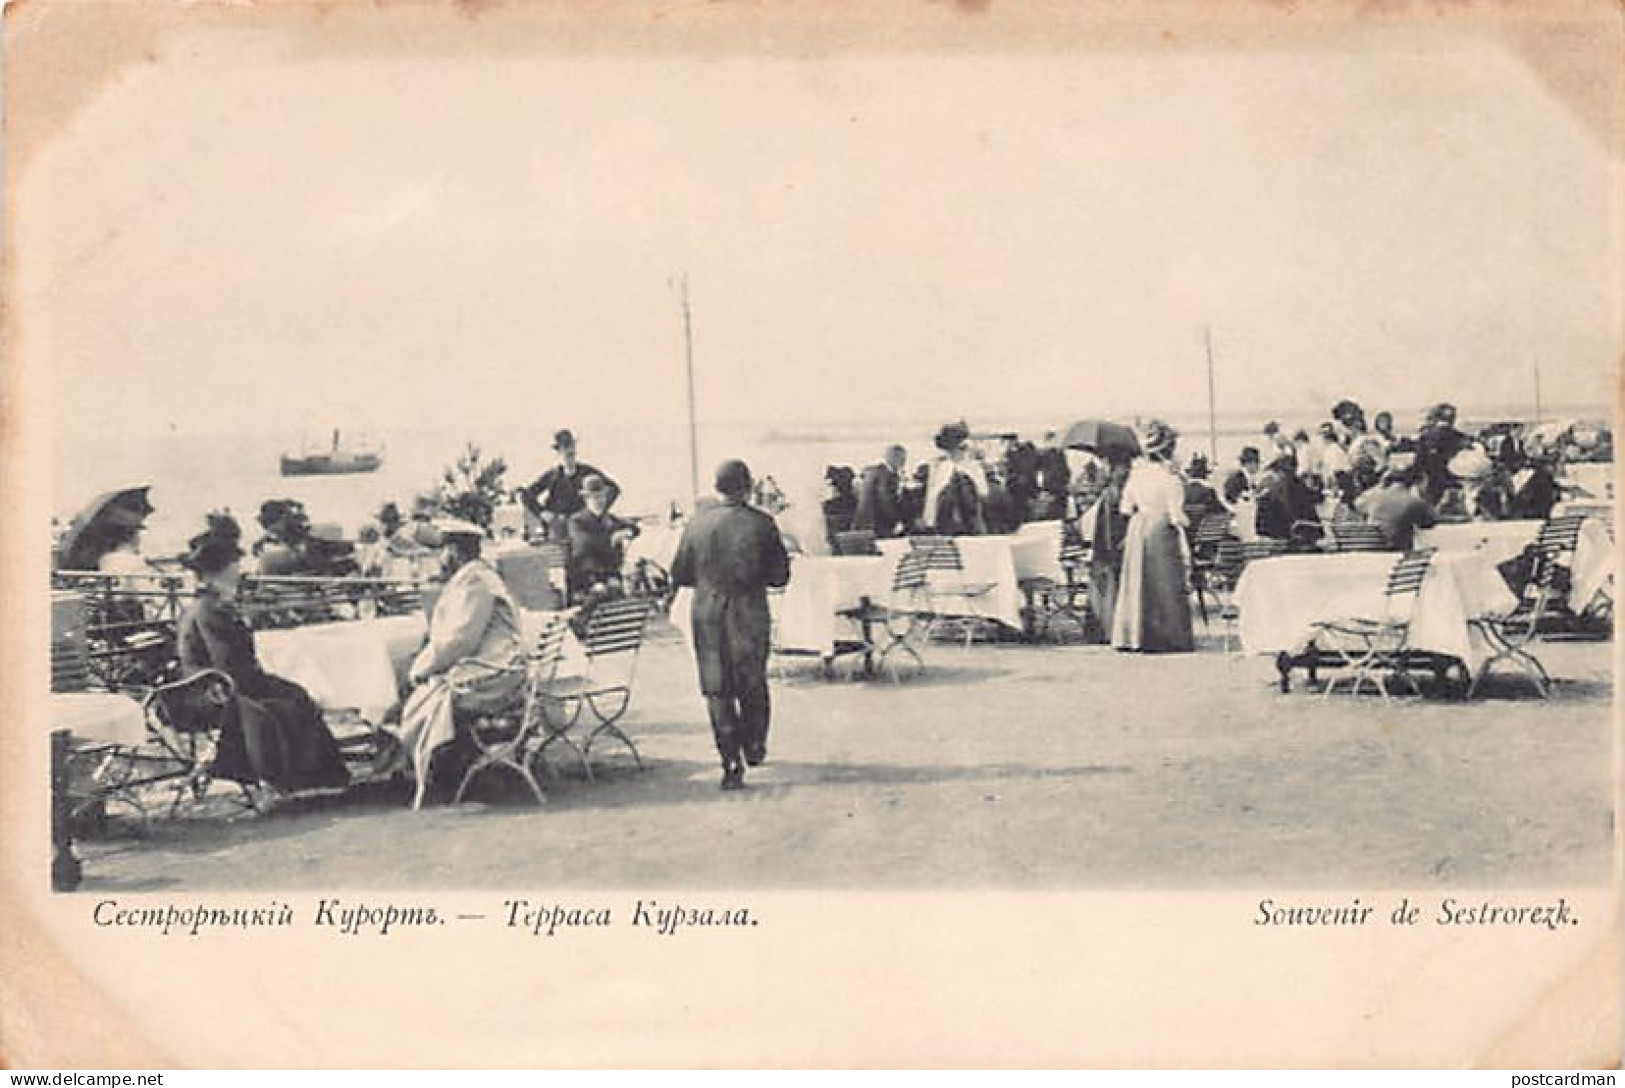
(276, 737)
(597, 542)
(474, 637)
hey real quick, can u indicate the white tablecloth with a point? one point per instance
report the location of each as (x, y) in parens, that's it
(351, 665)
(987, 560)
(1282, 598)
(806, 615)
(97, 717)
(361, 664)
(1498, 541)
(1036, 551)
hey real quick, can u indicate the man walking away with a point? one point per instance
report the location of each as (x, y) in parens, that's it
(730, 554)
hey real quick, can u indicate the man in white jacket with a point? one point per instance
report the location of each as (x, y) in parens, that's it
(474, 638)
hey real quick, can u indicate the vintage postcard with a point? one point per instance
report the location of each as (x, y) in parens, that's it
(777, 535)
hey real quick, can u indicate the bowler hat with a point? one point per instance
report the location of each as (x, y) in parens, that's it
(564, 440)
(594, 485)
(733, 478)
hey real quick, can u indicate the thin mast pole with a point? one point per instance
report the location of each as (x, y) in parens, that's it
(693, 430)
(1212, 424)
(1537, 390)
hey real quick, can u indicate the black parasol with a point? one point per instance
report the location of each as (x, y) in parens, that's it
(97, 529)
(1102, 436)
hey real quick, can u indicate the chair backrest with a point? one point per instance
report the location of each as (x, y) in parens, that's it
(856, 542)
(1210, 529)
(937, 552)
(616, 627)
(1359, 536)
(197, 704)
(909, 576)
(549, 648)
(557, 554)
(1559, 535)
(1405, 580)
(1074, 549)
(1263, 548)
(1230, 558)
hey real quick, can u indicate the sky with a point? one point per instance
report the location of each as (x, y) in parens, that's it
(233, 240)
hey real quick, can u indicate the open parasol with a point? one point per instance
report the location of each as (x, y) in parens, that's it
(1101, 436)
(94, 531)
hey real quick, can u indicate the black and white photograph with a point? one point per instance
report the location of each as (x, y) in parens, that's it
(635, 467)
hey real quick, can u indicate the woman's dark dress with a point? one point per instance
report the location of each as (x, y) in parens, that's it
(275, 733)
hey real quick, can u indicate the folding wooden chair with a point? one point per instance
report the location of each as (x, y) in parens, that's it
(557, 554)
(903, 620)
(614, 637)
(1380, 643)
(503, 738)
(1510, 634)
(1068, 597)
(1205, 538)
(945, 578)
(1219, 582)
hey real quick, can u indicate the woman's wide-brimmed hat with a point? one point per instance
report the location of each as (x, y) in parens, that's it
(952, 436)
(449, 528)
(1158, 438)
(214, 549)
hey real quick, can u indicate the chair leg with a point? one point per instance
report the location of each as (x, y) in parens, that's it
(469, 775)
(607, 724)
(615, 731)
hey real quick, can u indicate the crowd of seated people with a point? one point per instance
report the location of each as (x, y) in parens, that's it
(1294, 488)
(960, 491)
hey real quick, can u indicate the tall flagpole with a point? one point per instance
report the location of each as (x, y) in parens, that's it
(693, 431)
(1537, 390)
(1212, 424)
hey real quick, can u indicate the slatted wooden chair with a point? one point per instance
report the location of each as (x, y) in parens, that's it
(945, 582)
(504, 738)
(856, 542)
(1067, 597)
(1206, 533)
(1373, 645)
(1511, 633)
(903, 621)
(557, 554)
(1219, 583)
(614, 637)
(1358, 536)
